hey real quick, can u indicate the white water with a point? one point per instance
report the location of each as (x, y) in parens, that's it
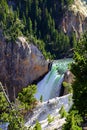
(50, 86)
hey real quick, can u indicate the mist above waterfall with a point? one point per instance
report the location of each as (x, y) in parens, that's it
(49, 87)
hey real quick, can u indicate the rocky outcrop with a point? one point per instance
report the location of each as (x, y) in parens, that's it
(75, 19)
(51, 108)
(68, 78)
(20, 65)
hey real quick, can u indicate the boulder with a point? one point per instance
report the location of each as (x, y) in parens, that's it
(21, 63)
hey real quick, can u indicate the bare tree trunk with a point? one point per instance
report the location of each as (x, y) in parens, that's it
(11, 105)
(5, 95)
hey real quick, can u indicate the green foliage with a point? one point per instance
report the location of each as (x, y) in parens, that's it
(73, 121)
(37, 126)
(41, 98)
(37, 19)
(62, 112)
(14, 118)
(69, 2)
(73, 40)
(9, 22)
(16, 121)
(27, 98)
(14, 31)
(79, 69)
(30, 26)
(3, 104)
(12, 113)
(50, 119)
(68, 87)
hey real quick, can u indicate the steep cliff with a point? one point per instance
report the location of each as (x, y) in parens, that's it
(75, 19)
(20, 64)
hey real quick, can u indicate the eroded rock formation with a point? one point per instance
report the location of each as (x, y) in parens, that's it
(20, 64)
(75, 19)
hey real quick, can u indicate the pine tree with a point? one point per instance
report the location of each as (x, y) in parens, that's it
(79, 69)
(30, 26)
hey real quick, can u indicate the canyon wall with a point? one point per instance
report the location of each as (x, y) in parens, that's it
(21, 63)
(75, 19)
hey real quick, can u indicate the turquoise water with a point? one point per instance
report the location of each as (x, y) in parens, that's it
(49, 87)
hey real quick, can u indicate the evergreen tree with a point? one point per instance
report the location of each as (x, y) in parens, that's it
(30, 26)
(79, 69)
(73, 121)
(27, 96)
(37, 18)
(37, 126)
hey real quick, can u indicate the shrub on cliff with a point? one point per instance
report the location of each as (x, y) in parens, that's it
(63, 112)
(37, 126)
(73, 121)
(68, 87)
(50, 119)
(27, 98)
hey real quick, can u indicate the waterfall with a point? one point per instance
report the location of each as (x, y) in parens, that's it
(49, 87)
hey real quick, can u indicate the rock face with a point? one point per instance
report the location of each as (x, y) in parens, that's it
(68, 78)
(75, 19)
(20, 65)
(51, 108)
